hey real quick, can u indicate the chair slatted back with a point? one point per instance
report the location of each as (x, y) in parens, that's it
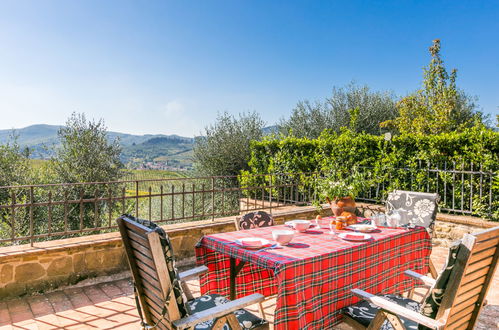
(474, 269)
(149, 270)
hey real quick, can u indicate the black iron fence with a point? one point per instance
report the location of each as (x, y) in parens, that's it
(40, 212)
(32, 213)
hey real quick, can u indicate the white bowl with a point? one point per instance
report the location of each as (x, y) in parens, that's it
(301, 225)
(283, 237)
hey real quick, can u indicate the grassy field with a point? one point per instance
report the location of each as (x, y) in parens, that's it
(153, 174)
(37, 165)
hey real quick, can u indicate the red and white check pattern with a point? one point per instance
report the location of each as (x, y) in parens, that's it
(313, 276)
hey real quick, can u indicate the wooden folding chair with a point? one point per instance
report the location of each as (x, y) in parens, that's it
(456, 297)
(161, 297)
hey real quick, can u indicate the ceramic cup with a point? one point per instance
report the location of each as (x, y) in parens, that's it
(301, 225)
(283, 237)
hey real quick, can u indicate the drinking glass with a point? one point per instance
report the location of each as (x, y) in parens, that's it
(378, 219)
(393, 219)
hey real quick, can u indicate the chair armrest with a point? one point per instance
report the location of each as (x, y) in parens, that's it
(217, 311)
(426, 280)
(192, 273)
(397, 309)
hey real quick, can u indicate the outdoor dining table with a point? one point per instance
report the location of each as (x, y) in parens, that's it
(313, 275)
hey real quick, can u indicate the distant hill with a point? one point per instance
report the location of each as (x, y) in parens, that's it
(172, 151)
(41, 139)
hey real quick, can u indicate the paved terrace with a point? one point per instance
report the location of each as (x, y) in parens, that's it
(110, 305)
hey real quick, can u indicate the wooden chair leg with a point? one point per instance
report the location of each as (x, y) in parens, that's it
(232, 320)
(262, 310)
(410, 294)
(383, 316)
(219, 324)
(433, 270)
(395, 321)
(378, 321)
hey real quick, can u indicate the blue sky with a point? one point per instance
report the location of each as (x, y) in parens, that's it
(170, 66)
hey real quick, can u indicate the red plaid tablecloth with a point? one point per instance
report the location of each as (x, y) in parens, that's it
(313, 275)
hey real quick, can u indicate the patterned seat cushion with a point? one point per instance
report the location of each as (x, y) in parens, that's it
(170, 262)
(256, 220)
(417, 208)
(245, 318)
(364, 312)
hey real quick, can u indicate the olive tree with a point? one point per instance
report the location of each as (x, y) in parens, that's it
(310, 119)
(224, 148)
(85, 154)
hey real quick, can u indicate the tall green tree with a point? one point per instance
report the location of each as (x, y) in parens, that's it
(439, 106)
(311, 119)
(85, 153)
(224, 148)
(14, 170)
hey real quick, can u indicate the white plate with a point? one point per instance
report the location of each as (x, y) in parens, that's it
(357, 237)
(263, 243)
(363, 228)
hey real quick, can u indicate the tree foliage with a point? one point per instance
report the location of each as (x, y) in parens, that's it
(224, 148)
(310, 119)
(14, 164)
(402, 163)
(85, 154)
(439, 106)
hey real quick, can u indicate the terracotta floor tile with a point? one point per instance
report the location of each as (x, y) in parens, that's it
(95, 294)
(17, 317)
(111, 290)
(59, 301)
(125, 286)
(4, 314)
(78, 298)
(28, 325)
(40, 305)
(112, 306)
(49, 321)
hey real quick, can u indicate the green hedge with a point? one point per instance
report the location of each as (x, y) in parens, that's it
(396, 164)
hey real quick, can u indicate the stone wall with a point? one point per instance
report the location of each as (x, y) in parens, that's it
(449, 228)
(47, 265)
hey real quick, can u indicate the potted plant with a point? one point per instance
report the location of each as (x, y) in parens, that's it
(340, 191)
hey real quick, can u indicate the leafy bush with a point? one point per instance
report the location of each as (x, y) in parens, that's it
(408, 161)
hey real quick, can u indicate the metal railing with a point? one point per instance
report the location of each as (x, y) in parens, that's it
(33, 213)
(463, 188)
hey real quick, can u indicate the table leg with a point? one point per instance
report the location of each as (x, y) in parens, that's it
(234, 270)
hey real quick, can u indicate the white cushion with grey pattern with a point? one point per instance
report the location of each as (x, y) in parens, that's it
(417, 208)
